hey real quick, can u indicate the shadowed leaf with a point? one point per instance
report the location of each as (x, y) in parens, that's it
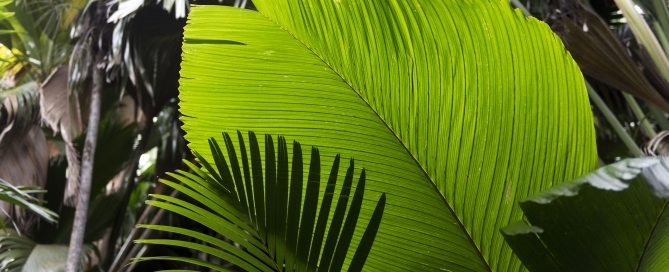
(613, 219)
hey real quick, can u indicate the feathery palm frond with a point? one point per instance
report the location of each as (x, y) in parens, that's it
(24, 196)
(272, 218)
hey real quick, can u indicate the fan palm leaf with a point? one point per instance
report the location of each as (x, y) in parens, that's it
(456, 109)
(23, 145)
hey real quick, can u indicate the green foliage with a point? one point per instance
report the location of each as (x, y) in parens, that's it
(18, 253)
(25, 197)
(38, 30)
(613, 219)
(457, 109)
(271, 220)
(14, 250)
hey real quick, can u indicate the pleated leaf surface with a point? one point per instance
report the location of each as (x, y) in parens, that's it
(456, 109)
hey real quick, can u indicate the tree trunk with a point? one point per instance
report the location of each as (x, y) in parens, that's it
(80, 216)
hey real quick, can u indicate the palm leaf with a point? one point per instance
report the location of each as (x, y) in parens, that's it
(14, 251)
(456, 109)
(38, 30)
(23, 167)
(601, 55)
(24, 196)
(24, 150)
(18, 253)
(613, 219)
(50, 17)
(19, 110)
(272, 218)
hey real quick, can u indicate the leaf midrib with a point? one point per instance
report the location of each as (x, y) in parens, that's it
(650, 236)
(383, 121)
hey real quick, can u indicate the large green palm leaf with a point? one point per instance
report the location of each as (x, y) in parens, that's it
(455, 108)
(268, 217)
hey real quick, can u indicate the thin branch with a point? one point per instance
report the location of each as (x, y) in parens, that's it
(128, 187)
(141, 252)
(129, 249)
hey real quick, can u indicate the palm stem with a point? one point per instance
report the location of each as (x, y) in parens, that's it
(129, 249)
(80, 216)
(646, 127)
(613, 121)
(662, 37)
(659, 116)
(645, 36)
(662, 14)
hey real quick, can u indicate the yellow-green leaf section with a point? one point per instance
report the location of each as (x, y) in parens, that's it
(457, 109)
